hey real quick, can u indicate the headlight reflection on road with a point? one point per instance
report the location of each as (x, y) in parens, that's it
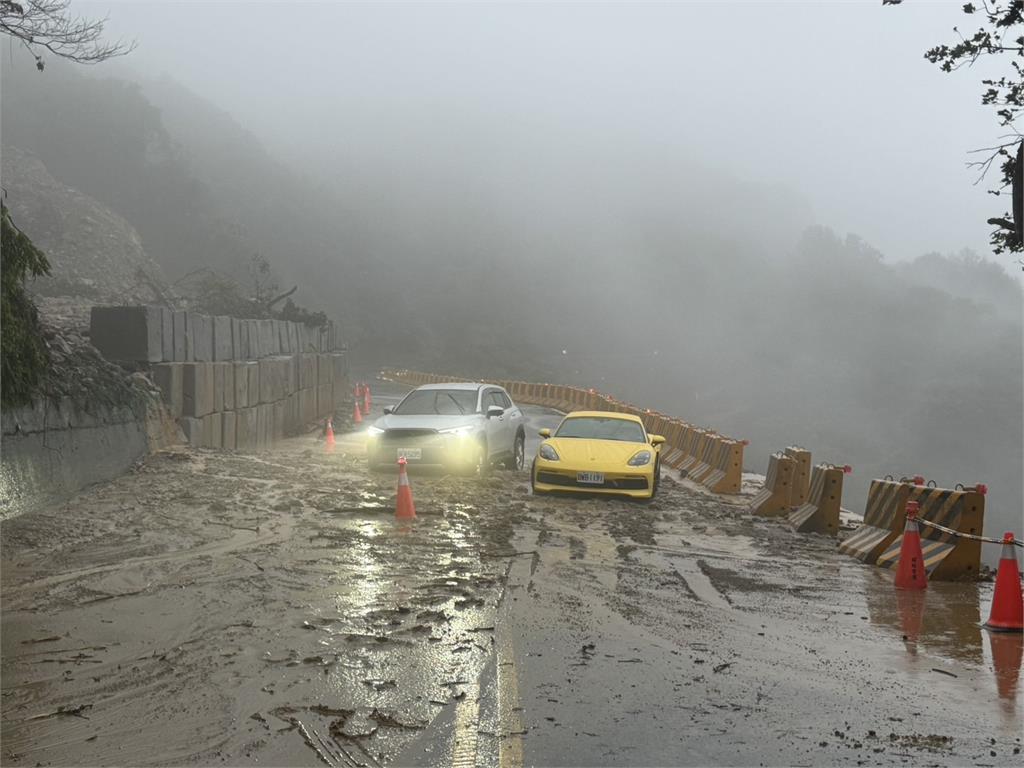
(368, 566)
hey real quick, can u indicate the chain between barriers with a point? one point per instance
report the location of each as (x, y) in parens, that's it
(971, 536)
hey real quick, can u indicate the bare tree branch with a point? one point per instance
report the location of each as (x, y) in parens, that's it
(1000, 32)
(50, 26)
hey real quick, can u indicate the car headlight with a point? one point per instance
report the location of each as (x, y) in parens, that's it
(640, 459)
(373, 431)
(547, 452)
(464, 431)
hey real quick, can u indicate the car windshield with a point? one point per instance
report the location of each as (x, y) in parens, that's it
(443, 402)
(598, 428)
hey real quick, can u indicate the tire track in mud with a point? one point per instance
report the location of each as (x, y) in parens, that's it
(328, 607)
(19, 595)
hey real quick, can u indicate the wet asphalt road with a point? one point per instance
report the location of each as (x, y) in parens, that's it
(219, 609)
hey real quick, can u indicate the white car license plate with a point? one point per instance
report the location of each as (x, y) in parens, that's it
(410, 453)
(590, 478)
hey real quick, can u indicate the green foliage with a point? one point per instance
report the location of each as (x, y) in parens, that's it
(216, 293)
(1001, 32)
(25, 357)
(296, 314)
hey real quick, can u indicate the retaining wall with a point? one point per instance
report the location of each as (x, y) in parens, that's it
(148, 334)
(230, 383)
(53, 449)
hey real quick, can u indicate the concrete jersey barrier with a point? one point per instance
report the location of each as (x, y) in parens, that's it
(801, 475)
(946, 557)
(773, 499)
(820, 513)
(883, 512)
(727, 473)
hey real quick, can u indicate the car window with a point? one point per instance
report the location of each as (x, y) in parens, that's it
(496, 399)
(444, 402)
(599, 428)
(505, 401)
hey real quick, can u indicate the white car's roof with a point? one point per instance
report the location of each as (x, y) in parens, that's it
(455, 385)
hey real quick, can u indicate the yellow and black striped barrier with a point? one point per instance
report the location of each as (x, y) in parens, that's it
(695, 449)
(773, 499)
(883, 520)
(947, 557)
(820, 513)
(702, 466)
(727, 473)
(801, 475)
(677, 443)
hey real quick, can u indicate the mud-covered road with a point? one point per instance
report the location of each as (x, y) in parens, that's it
(224, 609)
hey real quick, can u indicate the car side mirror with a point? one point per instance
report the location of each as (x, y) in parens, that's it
(494, 410)
(545, 432)
(657, 439)
(388, 409)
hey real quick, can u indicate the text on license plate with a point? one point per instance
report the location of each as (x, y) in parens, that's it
(410, 453)
(591, 478)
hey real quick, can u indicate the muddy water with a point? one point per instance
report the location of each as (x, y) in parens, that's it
(247, 609)
(688, 633)
(212, 609)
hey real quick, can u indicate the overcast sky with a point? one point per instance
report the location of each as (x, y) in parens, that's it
(833, 100)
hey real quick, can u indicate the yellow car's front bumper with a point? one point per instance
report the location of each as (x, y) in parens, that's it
(555, 476)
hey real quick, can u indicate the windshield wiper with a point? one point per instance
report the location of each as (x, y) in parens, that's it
(462, 411)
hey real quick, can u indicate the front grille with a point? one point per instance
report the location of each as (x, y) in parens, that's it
(610, 484)
(408, 434)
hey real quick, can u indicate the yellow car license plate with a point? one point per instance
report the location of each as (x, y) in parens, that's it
(590, 478)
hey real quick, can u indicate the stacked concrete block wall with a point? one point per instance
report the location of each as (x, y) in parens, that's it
(232, 383)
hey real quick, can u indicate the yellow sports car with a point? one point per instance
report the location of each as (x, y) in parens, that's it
(598, 452)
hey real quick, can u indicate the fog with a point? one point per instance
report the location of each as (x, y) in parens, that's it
(752, 216)
(833, 100)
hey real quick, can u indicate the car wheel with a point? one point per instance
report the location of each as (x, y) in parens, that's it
(656, 480)
(518, 458)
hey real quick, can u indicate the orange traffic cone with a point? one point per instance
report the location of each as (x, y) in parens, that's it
(357, 417)
(366, 398)
(404, 508)
(1007, 603)
(910, 572)
(329, 442)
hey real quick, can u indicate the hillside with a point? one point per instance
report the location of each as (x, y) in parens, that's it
(94, 253)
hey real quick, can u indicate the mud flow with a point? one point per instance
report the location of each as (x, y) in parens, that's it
(213, 608)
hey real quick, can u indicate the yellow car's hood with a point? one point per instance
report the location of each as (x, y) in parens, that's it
(598, 455)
